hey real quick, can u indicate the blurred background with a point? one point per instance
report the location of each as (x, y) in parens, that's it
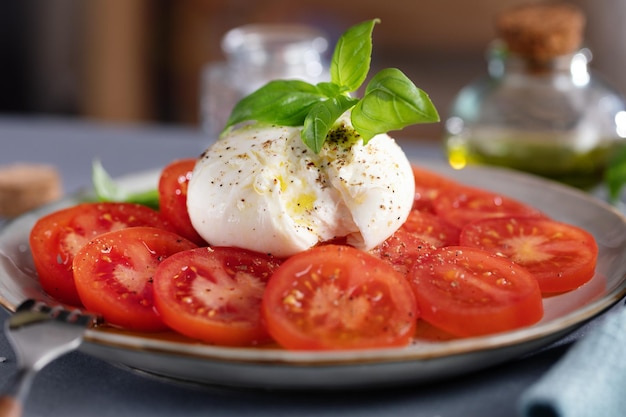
(137, 61)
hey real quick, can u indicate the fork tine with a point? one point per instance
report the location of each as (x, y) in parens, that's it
(25, 331)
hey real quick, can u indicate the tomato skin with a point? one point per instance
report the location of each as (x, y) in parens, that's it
(428, 185)
(561, 256)
(214, 294)
(56, 237)
(114, 274)
(462, 205)
(173, 184)
(470, 292)
(401, 249)
(421, 233)
(338, 297)
(432, 229)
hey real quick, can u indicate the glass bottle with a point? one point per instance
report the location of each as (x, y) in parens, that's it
(255, 55)
(548, 115)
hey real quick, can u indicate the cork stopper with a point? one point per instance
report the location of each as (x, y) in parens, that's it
(542, 31)
(24, 187)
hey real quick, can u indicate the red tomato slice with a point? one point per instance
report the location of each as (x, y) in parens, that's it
(173, 184)
(561, 256)
(401, 249)
(470, 292)
(428, 185)
(432, 229)
(214, 294)
(462, 205)
(114, 274)
(338, 297)
(56, 237)
(422, 232)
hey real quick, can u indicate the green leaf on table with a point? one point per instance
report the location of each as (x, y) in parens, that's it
(107, 189)
(391, 102)
(615, 174)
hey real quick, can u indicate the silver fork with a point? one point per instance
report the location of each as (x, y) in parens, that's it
(39, 334)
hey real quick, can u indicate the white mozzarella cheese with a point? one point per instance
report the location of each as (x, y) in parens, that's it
(260, 188)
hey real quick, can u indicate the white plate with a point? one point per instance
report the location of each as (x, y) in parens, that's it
(425, 361)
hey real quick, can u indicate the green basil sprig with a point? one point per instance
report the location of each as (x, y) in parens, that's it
(391, 101)
(107, 189)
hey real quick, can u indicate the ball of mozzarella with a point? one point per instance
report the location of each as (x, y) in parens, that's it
(260, 188)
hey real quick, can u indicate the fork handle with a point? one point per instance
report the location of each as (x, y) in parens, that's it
(13, 398)
(10, 407)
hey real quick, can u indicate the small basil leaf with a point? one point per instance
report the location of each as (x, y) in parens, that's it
(282, 102)
(352, 56)
(148, 198)
(391, 102)
(615, 175)
(321, 119)
(106, 189)
(328, 89)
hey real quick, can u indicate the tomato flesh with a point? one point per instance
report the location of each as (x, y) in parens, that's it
(428, 185)
(561, 256)
(173, 184)
(214, 294)
(401, 249)
(114, 274)
(472, 292)
(462, 205)
(338, 297)
(57, 237)
(431, 229)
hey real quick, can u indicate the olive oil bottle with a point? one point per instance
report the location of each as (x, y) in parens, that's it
(540, 108)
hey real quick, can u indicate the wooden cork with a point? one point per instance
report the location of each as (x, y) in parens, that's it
(24, 187)
(542, 31)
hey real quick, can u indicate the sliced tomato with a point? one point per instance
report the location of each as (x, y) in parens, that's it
(561, 256)
(214, 294)
(422, 232)
(114, 274)
(470, 292)
(56, 237)
(401, 249)
(338, 297)
(462, 205)
(432, 229)
(428, 185)
(173, 184)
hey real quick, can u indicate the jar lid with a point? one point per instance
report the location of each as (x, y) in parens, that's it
(541, 31)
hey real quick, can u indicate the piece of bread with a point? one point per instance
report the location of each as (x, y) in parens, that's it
(541, 31)
(24, 187)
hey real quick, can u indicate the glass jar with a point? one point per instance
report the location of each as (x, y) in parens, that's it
(539, 110)
(255, 55)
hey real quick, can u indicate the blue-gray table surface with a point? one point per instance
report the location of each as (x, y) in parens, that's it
(80, 385)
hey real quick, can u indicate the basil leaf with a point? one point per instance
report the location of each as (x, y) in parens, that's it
(107, 189)
(329, 89)
(321, 119)
(282, 102)
(352, 56)
(615, 175)
(391, 102)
